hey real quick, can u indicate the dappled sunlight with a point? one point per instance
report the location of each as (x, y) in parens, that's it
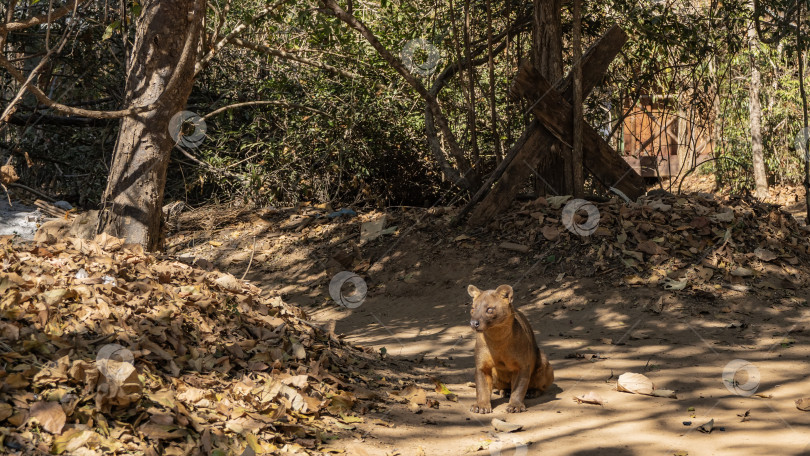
(611, 319)
(416, 314)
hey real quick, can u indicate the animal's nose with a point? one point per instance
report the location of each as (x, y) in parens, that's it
(475, 324)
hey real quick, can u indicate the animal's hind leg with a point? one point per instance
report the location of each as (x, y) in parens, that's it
(499, 383)
(542, 378)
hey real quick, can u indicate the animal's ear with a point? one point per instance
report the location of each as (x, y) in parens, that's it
(473, 291)
(505, 291)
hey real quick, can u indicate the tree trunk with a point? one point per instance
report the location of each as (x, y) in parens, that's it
(555, 169)
(803, 94)
(547, 39)
(576, 162)
(165, 45)
(755, 117)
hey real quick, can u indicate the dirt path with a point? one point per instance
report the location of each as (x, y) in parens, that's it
(676, 348)
(416, 308)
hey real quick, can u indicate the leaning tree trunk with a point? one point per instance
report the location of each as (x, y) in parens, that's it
(166, 37)
(755, 117)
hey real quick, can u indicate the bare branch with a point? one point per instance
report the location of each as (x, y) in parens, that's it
(467, 178)
(268, 102)
(9, 15)
(32, 190)
(50, 51)
(188, 53)
(41, 19)
(238, 30)
(288, 56)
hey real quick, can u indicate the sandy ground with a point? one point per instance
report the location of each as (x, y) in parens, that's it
(685, 347)
(417, 309)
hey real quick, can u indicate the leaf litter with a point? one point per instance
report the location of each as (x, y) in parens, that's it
(106, 349)
(685, 243)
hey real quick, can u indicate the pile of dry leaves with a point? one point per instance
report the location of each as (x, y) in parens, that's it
(105, 349)
(678, 242)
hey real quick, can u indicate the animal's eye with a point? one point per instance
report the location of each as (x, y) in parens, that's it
(490, 310)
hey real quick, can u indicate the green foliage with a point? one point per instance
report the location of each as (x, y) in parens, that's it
(360, 139)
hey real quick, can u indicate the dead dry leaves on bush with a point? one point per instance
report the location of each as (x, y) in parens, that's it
(105, 349)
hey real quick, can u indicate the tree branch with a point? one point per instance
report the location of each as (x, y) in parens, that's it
(286, 55)
(468, 178)
(268, 102)
(41, 19)
(238, 30)
(188, 53)
(47, 119)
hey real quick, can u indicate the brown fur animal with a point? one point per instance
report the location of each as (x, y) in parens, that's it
(506, 353)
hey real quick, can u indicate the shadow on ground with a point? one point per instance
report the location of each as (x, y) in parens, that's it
(592, 325)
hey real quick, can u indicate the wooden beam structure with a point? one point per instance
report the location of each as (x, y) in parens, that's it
(554, 113)
(552, 128)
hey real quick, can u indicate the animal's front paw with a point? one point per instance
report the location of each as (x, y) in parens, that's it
(515, 407)
(481, 408)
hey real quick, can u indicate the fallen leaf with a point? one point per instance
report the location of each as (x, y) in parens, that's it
(651, 248)
(664, 393)
(5, 411)
(706, 427)
(71, 441)
(441, 388)
(551, 233)
(341, 403)
(162, 432)
(53, 297)
(243, 425)
(765, 254)
(8, 175)
(742, 272)
(413, 393)
(557, 201)
(670, 284)
(229, 283)
(803, 404)
(298, 351)
(635, 383)
(723, 216)
(590, 398)
(503, 426)
(49, 415)
(638, 256)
